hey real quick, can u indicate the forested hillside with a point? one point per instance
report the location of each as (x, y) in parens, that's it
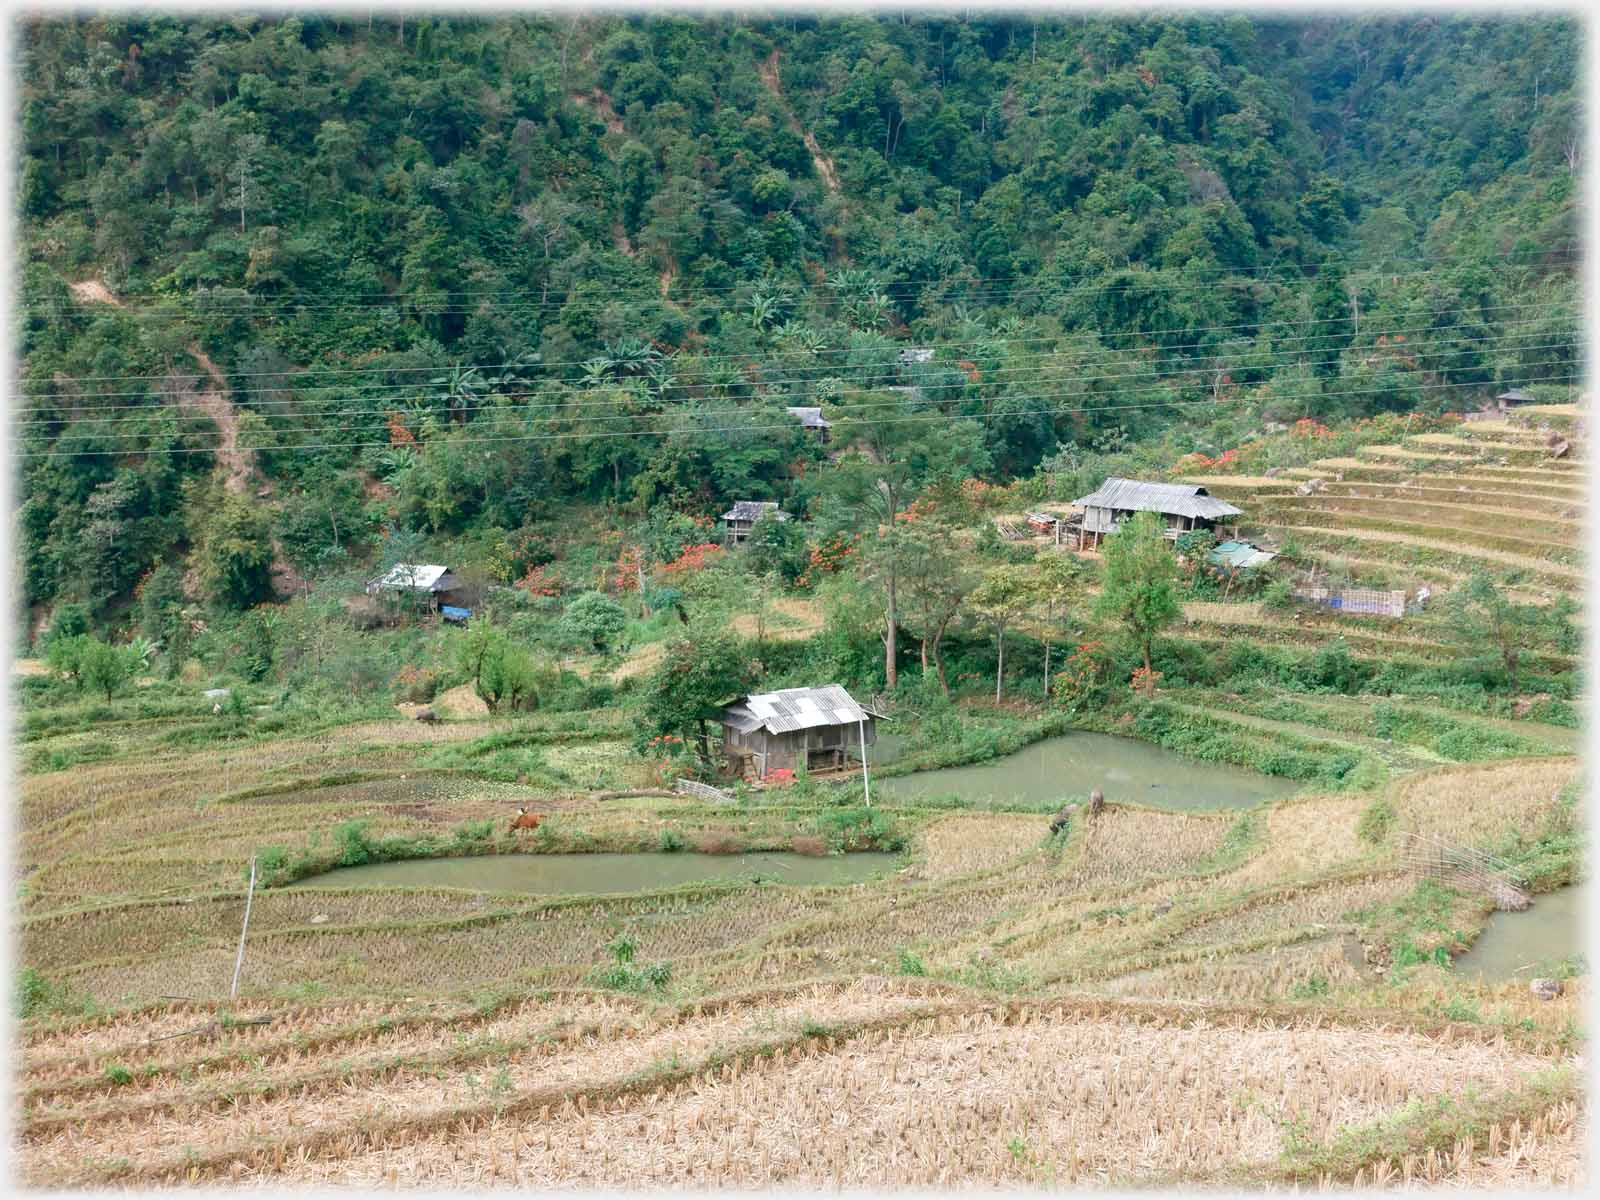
(294, 286)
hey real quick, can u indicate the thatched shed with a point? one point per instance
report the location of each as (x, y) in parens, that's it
(1183, 506)
(814, 727)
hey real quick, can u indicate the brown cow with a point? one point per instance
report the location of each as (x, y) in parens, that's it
(526, 820)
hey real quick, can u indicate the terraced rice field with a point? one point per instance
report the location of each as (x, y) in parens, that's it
(1436, 507)
(451, 1037)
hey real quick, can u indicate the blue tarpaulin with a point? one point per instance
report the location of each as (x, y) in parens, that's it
(451, 613)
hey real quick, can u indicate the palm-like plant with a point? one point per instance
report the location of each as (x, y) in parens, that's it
(872, 311)
(595, 372)
(723, 378)
(659, 378)
(801, 339)
(458, 389)
(632, 356)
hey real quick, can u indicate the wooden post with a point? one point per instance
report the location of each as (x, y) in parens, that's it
(238, 963)
(866, 782)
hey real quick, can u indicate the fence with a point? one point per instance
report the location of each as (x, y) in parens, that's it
(1462, 866)
(704, 791)
(1367, 601)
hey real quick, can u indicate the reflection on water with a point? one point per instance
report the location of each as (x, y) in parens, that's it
(579, 874)
(1524, 945)
(1075, 763)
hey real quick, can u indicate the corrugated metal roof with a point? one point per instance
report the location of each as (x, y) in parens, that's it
(795, 708)
(811, 418)
(753, 510)
(1515, 396)
(421, 577)
(1172, 499)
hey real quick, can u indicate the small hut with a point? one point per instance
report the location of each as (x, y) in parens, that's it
(812, 727)
(427, 585)
(1514, 397)
(1183, 506)
(741, 518)
(812, 420)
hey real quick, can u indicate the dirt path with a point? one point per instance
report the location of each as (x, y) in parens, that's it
(601, 103)
(824, 165)
(236, 464)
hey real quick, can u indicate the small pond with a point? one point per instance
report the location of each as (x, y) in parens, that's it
(603, 874)
(1524, 945)
(1074, 763)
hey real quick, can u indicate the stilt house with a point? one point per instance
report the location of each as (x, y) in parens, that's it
(819, 728)
(741, 518)
(812, 420)
(1183, 506)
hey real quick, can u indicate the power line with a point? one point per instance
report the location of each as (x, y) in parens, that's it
(1415, 351)
(745, 357)
(606, 434)
(1125, 370)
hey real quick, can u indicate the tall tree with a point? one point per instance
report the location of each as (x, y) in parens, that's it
(898, 450)
(1485, 617)
(1004, 597)
(1139, 583)
(699, 674)
(937, 578)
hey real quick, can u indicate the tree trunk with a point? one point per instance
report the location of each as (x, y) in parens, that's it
(1147, 654)
(890, 677)
(938, 659)
(1000, 666)
(705, 742)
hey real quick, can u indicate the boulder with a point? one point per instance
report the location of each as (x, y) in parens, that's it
(1546, 989)
(427, 715)
(321, 919)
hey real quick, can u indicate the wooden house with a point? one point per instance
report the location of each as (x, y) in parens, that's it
(427, 585)
(741, 518)
(818, 728)
(1182, 506)
(812, 420)
(1508, 400)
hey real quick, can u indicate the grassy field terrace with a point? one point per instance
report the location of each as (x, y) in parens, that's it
(452, 1035)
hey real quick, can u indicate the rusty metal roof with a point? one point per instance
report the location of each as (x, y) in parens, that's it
(1170, 499)
(795, 708)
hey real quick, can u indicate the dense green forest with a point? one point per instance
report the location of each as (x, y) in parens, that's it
(457, 276)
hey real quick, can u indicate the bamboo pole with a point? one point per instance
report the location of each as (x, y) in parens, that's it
(238, 963)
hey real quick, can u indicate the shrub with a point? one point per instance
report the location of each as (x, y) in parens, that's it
(1376, 822)
(593, 620)
(354, 846)
(671, 841)
(860, 829)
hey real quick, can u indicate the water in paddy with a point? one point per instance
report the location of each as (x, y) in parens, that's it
(1075, 763)
(1525, 945)
(582, 874)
